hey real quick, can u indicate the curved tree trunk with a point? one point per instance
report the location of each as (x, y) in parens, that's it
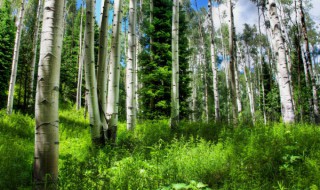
(283, 74)
(46, 154)
(131, 66)
(15, 60)
(90, 76)
(114, 75)
(103, 66)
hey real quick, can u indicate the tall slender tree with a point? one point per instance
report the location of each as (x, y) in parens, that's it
(114, 75)
(80, 63)
(46, 154)
(307, 57)
(213, 62)
(131, 66)
(287, 108)
(175, 65)
(15, 59)
(34, 51)
(90, 75)
(102, 65)
(232, 64)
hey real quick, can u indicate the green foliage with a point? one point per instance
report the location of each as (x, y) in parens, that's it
(7, 34)
(195, 156)
(155, 63)
(16, 150)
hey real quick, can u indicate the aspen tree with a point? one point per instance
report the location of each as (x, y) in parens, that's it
(307, 57)
(80, 63)
(232, 66)
(46, 154)
(131, 66)
(102, 65)
(34, 52)
(15, 59)
(90, 76)
(213, 62)
(114, 75)
(175, 65)
(282, 70)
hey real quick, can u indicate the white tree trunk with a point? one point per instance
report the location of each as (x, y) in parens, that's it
(80, 64)
(175, 66)
(46, 154)
(247, 80)
(90, 75)
(102, 65)
(214, 67)
(34, 52)
(283, 74)
(131, 66)
(233, 89)
(15, 60)
(114, 75)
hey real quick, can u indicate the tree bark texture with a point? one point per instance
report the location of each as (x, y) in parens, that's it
(232, 66)
(102, 65)
(282, 70)
(46, 154)
(114, 75)
(131, 66)
(214, 66)
(90, 75)
(175, 66)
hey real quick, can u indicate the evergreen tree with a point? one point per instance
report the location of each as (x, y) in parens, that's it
(7, 34)
(156, 63)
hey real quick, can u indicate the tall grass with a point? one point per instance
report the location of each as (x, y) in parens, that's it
(195, 156)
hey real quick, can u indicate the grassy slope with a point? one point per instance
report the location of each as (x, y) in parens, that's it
(153, 157)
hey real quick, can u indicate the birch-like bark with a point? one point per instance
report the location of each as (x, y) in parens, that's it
(310, 75)
(213, 62)
(247, 80)
(34, 52)
(102, 65)
(90, 76)
(131, 66)
(15, 60)
(236, 76)
(46, 154)
(232, 66)
(175, 66)
(261, 69)
(114, 75)
(282, 70)
(80, 64)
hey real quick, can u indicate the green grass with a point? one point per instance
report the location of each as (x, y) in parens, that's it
(195, 156)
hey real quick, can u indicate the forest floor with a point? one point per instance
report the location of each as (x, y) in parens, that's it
(195, 156)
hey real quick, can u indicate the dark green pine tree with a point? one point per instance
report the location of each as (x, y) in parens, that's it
(155, 63)
(7, 35)
(69, 59)
(184, 72)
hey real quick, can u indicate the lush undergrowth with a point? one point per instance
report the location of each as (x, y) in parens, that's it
(195, 156)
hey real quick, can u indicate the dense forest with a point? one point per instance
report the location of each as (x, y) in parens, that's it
(159, 94)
